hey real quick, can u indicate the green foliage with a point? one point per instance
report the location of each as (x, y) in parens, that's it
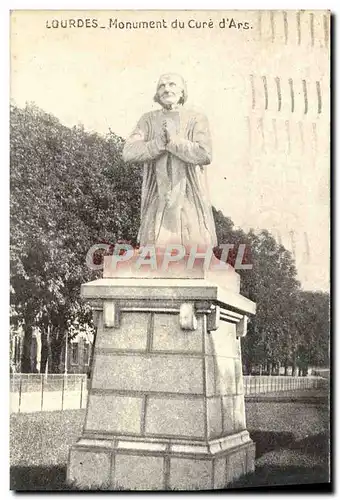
(291, 327)
(313, 311)
(69, 190)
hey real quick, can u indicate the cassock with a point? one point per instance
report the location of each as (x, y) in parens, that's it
(175, 205)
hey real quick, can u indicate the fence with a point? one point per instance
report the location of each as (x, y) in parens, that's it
(38, 392)
(31, 392)
(257, 384)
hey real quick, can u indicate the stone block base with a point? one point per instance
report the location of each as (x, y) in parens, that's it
(166, 406)
(120, 463)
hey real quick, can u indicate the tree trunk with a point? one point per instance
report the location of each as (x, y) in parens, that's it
(286, 368)
(26, 365)
(55, 357)
(56, 346)
(44, 351)
(294, 367)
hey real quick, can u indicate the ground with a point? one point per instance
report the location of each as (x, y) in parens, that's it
(292, 443)
(291, 436)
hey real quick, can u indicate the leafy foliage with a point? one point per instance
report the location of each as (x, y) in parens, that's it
(69, 191)
(291, 327)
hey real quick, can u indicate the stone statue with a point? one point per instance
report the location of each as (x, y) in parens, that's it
(148, 330)
(174, 145)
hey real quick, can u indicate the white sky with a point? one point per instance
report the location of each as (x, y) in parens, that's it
(105, 78)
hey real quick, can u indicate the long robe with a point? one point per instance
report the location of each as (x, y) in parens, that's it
(175, 205)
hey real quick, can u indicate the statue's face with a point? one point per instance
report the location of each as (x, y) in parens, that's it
(170, 90)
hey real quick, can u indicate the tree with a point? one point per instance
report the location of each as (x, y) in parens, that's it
(313, 348)
(272, 334)
(69, 191)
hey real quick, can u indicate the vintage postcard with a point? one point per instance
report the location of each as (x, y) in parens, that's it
(170, 250)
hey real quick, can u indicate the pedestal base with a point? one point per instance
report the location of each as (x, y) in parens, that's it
(113, 463)
(165, 408)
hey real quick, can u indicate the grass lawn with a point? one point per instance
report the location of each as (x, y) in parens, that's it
(291, 440)
(292, 443)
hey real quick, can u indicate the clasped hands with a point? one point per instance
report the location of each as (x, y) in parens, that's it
(165, 136)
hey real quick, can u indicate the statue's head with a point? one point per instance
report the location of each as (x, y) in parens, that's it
(171, 90)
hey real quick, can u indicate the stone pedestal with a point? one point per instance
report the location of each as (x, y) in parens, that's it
(166, 406)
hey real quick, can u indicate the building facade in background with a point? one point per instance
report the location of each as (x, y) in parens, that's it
(75, 359)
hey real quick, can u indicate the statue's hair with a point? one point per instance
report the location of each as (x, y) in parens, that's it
(184, 95)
